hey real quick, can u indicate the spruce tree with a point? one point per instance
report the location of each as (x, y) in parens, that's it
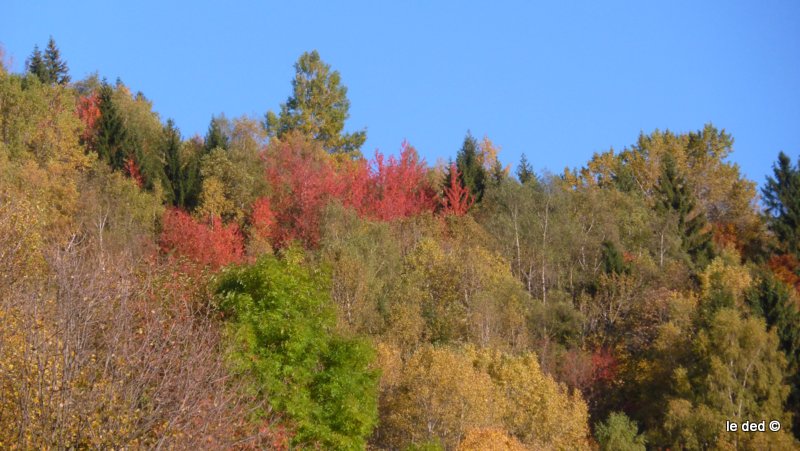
(781, 196)
(57, 69)
(172, 163)
(216, 136)
(48, 66)
(473, 174)
(112, 137)
(36, 66)
(524, 170)
(675, 197)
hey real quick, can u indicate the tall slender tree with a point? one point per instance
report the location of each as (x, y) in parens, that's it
(56, 68)
(472, 173)
(112, 136)
(675, 197)
(173, 166)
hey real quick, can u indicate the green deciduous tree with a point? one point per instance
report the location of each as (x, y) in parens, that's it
(737, 374)
(619, 433)
(317, 107)
(773, 301)
(282, 340)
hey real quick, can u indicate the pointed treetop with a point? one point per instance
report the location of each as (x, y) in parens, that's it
(48, 66)
(524, 170)
(318, 107)
(217, 135)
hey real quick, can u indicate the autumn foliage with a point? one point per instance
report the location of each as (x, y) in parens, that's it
(212, 243)
(132, 169)
(399, 186)
(785, 267)
(88, 110)
(457, 200)
(304, 179)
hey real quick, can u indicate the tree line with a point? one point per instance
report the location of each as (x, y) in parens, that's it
(268, 285)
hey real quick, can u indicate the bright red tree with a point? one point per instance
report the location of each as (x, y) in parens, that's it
(263, 219)
(304, 178)
(400, 187)
(88, 110)
(303, 181)
(212, 244)
(457, 198)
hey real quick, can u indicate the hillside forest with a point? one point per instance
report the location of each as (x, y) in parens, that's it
(273, 285)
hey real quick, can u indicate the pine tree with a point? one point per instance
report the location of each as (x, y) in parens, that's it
(216, 136)
(782, 202)
(675, 197)
(524, 170)
(112, 137)
(473, 174)
(318, 107)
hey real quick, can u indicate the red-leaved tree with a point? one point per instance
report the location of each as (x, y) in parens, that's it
(400, 187)
(457, 198)
(88, 110)
(304, 179)
(212, 244)
(132, 169)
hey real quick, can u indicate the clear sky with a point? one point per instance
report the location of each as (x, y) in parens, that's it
(557, 81)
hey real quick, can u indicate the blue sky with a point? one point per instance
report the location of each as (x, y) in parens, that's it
(557, 81)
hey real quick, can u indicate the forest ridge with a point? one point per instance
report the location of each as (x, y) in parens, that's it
(268, 286)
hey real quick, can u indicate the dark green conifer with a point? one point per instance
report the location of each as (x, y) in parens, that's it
(675, 197)
(781, 196)
(216, 136)
(35, 65)
(57, 70)
(524, 170)
(612, 260)
(772, 300)
(172, 164)
(112, 137)
(473, 174)
(48, 67)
